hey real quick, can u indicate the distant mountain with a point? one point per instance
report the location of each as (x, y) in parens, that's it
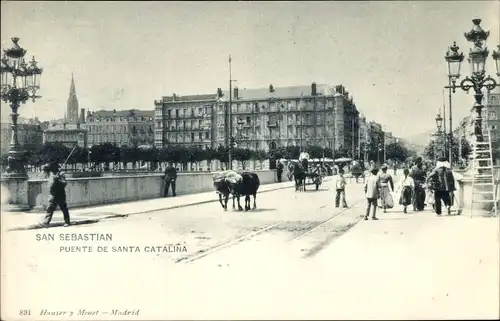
(420, 139)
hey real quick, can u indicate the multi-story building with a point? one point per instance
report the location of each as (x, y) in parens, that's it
(29, 133)
(263, 118)
(66, 134)
(490, 115)
(126, 127)
(377, 141)
(185, 120)
(493, 116)
(268, 118)
(364, 138)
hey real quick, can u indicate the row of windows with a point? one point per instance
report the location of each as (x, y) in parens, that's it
(189, 112)
(120, 129)
(176, 125)
(117, 119)
(188, 137)
(277, 105)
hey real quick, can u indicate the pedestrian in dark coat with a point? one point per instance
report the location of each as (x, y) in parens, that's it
(279, 171)
(57, 197)
(443, 183)
(170, 178)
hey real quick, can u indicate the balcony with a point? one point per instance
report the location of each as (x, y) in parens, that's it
(272, 123)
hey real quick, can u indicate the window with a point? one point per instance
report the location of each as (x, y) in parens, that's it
(192, 112)
(492, 115)
(177, 113)
(200, 124)
(169, 114)
(200, 136)
(192, 137)
(200, 111)
(207, 135)
(248, 119)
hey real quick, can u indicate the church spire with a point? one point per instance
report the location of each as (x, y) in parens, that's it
(72, 106)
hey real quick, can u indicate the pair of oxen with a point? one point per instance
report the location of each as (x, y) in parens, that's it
(237, 184)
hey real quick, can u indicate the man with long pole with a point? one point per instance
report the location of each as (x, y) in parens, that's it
(230, 120)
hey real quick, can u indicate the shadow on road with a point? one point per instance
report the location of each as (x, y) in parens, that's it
(39, 226)
(258, 210)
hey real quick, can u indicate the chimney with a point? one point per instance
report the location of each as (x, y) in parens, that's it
(78, 125)
(173, 97)
(313, 89)
(271, 88)
(219, 93)
(64, 125)
(235, 93)
(82, 115)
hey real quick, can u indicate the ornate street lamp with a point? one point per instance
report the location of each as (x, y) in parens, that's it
(478, 79)
(439, 134)
(454, 59)
(496, 57)
(439, 122)
(19, 82)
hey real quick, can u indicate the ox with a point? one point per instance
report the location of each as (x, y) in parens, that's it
(229, 182)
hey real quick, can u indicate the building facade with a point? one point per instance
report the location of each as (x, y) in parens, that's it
(364, 138)
(490, 115)
(377, 141)
(30, 134)
(123, 128)
(273, 117)
(66, 134)
(262, 118)
(185, 120)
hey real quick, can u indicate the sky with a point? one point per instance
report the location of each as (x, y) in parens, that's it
(124, 55)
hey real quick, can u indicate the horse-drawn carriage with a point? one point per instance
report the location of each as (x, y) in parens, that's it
(304, 177)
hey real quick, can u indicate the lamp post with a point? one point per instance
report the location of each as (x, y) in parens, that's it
(478, 79)
(439, 135)
(496, 57)
(454, 59)
(19, 82)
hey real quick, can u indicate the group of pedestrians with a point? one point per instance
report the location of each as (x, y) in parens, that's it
(439, 182)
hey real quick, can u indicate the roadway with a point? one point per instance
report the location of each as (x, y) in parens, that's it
(284, 260)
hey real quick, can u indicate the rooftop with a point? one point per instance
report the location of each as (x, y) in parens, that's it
(123, 113)
(190, 98)
(280, 92)
(60, 127)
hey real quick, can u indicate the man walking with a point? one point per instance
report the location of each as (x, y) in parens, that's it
(57, 197)
(279, 171)
(340, 188)
(443, 183)
(170, 178)
(418, 175)
(372, 186)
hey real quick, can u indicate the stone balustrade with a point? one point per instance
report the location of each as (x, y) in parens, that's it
(113, 189)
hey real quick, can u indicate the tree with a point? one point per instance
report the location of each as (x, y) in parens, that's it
(222, 154)
(435, 149)
(315, 151)
(260, 155)
(196, 155)
(54, 152)
(396, 151)
(242, 155)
